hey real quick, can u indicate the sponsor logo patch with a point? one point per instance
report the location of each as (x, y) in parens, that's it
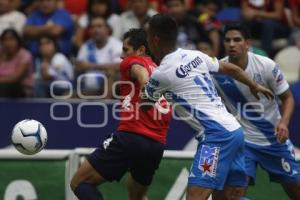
(208, 160)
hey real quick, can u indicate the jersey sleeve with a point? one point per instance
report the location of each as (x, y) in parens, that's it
(275, 79)
(211, 62)
(127, 63)
(157, 85)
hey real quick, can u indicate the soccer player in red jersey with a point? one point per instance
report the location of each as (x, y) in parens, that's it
(138, 144)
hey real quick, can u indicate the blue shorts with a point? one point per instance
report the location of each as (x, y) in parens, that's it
(279, 161)
(127, 152)
(219, 161)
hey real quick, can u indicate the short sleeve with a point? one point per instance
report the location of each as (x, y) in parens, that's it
(276, 80)
(82, 54)
(211, 62)
(83, 21)
(25, 57)
(117, 51)
(157, 85)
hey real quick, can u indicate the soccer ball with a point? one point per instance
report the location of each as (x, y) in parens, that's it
(29, 136)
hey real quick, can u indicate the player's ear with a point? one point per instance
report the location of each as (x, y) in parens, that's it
(141, 50)
(248, 43)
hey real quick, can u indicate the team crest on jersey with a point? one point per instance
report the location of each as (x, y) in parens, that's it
(257, 78)
(208, 162)
(275, 71)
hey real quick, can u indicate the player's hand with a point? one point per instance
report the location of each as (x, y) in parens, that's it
(282, 132)
(261, 89)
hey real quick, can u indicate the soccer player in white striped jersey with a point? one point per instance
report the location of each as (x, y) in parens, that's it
(183, 78)
(266, 130)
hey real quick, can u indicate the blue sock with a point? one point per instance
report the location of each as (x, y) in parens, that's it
(86, 191)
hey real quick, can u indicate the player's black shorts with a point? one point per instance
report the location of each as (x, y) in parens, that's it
(124, 152)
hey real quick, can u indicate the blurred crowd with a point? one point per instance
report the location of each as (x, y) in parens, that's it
(78, 42)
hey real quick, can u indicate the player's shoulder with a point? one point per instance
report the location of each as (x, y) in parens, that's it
(263, 61)
(130, 60)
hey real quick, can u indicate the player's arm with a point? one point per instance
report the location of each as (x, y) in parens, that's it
(154, 89)
(139, 73)
(240, 75)
(287, 109)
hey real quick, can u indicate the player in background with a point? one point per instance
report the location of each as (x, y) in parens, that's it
(138, 144)
(266, 130)
(183, 78)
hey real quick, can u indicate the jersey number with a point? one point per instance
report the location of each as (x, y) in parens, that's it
(207, 86)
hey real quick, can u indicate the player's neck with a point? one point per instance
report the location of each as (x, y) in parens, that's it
(241, 62)
(165, 51)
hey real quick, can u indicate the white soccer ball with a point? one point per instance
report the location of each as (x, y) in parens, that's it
(29, 136)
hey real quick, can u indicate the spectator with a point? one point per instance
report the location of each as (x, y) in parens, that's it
(15, 66)
(295, 14)
(99, 55)
(266, 19)
(190, 30)
(54, 66)
(137, 16)
(207, 18)
(205, 45)
(75, 7)
(97, 8)
(11, 18)
(49, 20)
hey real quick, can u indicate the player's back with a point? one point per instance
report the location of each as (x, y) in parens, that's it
(152, 123)
(189, 85)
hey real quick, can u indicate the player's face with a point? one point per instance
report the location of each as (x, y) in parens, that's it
(235, 44)
(127, 49)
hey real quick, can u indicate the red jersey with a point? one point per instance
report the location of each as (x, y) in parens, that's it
(153, 123)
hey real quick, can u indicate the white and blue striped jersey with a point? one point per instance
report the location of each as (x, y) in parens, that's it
(183, 78)
(258, 117)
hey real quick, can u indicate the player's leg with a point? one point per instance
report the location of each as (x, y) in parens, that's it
(136, 190)
(212, 163)
(84, 182)
(229, 193)
(198, 193)
(146, 157)
(282, 167)
(243, 167)
(292, 190)
(109, 162)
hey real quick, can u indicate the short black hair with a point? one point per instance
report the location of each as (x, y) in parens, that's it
(53, 40)
(237, 26)
(168, 1)
(14, 33)
(165, 27)
(137, 38)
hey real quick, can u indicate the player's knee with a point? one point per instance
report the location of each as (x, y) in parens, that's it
(74, 183)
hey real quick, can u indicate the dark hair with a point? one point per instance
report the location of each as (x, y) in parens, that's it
(51, 39)
(237, 26)
(165, 27)
(14, 33)
(168, 1)
(137, 38)
(206, 40)
(92, 2)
